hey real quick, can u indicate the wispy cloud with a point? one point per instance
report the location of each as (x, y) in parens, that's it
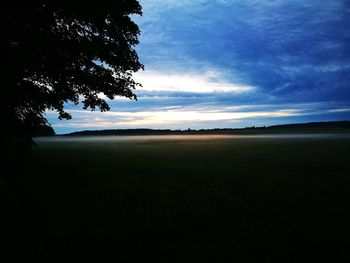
(339, 110)
(194, 116)
(168, 117)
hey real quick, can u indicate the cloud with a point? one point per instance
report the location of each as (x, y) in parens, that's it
(339, 110)
(168, 117)
(208, 82)
(291, 50)
(214, 116)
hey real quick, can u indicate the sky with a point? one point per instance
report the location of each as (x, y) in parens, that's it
(233, 64)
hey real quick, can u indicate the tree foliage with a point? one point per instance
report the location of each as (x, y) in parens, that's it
(67, 51)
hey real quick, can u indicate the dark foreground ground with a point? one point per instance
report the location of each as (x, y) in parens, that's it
(185, 200)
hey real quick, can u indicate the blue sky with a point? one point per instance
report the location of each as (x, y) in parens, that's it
(233, 63)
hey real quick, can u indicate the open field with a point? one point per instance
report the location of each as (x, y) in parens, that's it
(192, 198)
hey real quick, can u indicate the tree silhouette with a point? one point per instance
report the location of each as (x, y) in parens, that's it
(67, 51)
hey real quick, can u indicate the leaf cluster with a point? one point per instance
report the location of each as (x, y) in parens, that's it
(68, 51)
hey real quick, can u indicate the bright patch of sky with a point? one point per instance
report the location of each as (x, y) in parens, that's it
(233, 64)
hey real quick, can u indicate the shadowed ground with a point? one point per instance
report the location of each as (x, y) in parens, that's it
(200, 198)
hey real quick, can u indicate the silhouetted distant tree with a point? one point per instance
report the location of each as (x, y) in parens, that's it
(66, 51)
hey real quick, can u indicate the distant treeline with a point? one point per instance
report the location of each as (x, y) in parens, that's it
(317, 125)
(302, 127)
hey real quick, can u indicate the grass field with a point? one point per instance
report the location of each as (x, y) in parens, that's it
(195, 198)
